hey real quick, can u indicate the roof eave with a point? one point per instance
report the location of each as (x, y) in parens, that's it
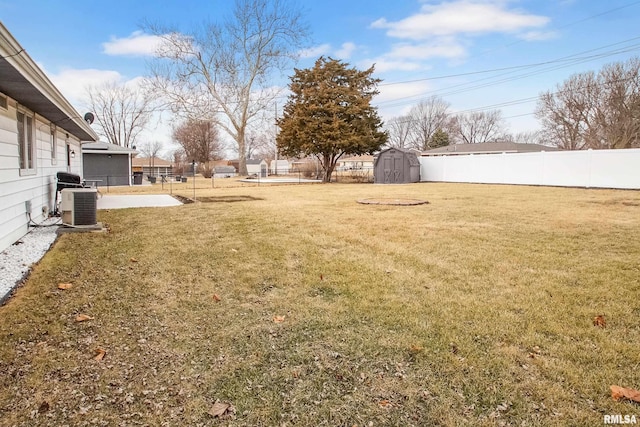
(25, 82)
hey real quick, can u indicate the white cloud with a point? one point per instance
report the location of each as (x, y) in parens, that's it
(538, 35)
(441, 48)
(393, 92)
(396, 99)
(316, 51)
(73, 83)
(137, 44)
(346, 50)
(383, 65)
(460, 17)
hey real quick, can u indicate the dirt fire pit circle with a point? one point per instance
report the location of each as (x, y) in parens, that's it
(393, 202)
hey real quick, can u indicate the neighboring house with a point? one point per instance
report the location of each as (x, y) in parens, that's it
(487, 148)
(257, 167)
(279, 167)
(224, 172)
(40, 134)
(363, 162)
(107, 164)
(153, 166)
(305, 164)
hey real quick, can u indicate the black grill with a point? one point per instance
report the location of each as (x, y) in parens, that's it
(66, 180)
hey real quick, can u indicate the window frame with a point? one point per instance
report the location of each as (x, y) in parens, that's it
(26, 135)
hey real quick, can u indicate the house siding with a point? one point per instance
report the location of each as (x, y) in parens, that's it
(39, 187)
(109, 171)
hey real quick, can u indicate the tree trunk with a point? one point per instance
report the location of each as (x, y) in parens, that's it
(242, 155)
(329, 166)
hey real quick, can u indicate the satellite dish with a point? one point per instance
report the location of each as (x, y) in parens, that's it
(89, 117)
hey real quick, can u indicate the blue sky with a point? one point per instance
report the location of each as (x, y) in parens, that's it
(420, 48)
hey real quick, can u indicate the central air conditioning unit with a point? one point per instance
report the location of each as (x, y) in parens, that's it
(78, 206)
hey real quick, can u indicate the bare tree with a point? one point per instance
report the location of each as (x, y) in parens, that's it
(477, 127)
(222, 70)
(179, 159)
(566, 114)
(427, 118)
(592, 110)
(260, 145)
(150, 149)
(529, 137)
(200, 141)
(399, 130)
(121, 111)
(618, 118)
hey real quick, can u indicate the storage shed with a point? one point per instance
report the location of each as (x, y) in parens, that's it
(396, 166)
(107, 164)
(224, 172)
(257, 167)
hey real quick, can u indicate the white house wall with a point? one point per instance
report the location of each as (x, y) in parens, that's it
(39, 188)
(588, 168)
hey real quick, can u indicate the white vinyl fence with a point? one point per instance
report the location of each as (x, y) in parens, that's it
(588, 168)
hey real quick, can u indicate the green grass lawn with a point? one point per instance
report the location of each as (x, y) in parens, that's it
(474, 309)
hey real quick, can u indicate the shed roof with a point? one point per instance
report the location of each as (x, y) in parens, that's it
(254, 161)
(411, 154)
(22, 80)
(105, 148)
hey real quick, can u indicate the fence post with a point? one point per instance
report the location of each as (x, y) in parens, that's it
(589, 166)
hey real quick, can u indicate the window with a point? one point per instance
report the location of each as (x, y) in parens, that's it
(3, 102)
(54, 148)
(25, 142)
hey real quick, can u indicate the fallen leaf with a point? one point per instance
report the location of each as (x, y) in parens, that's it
(234, 250)
(599, 321)
(216, 298)
(100, 353)
(278, 319)
(44, 407)
(416, 348)
(65, 286)
(133, 260)
(321, 278)
(384, 403)
(83, 317)
(454, 348)
(219, 409)
(618, 393)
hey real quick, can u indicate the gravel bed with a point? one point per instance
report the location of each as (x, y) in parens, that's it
(17, 259)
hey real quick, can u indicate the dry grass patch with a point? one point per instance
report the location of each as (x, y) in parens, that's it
(476, 309)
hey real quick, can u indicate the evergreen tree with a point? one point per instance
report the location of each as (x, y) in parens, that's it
(440, 138)
(329, 114)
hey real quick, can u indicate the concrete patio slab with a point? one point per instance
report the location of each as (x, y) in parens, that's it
(136, 201)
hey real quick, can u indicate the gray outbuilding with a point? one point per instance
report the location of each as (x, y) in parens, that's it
(224, 172)
(396, 166)
(107, 164)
